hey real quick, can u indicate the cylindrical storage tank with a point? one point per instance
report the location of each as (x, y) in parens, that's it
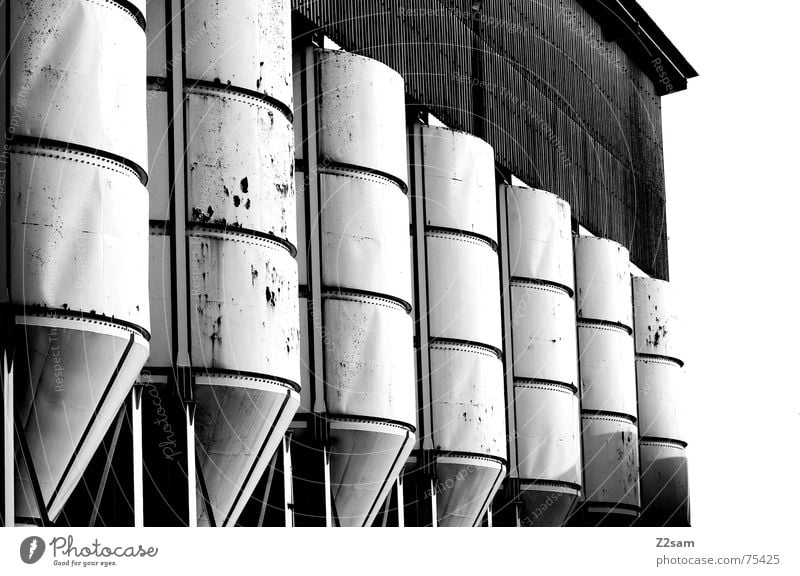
(660, 381)
(546, 405)
(77, 240)
(467, 397)
(229, 193)
(359, 321)
(608, 383)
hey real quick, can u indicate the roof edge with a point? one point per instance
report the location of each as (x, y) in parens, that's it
(628, 24)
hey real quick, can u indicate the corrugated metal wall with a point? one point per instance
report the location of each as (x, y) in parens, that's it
(565, 110)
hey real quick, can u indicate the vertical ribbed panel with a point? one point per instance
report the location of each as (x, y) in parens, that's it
(367, 397)
(467, 407)
(660, 380)
(77, 209)
(546, 406)
(243, 326)
(608, 382)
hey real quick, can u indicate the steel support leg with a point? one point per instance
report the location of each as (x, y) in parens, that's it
(98, 499)
(401, 513)
(434, 505)
(328, 495)
(191, 464)
(138, 473)
(8, 438)
(288, 488)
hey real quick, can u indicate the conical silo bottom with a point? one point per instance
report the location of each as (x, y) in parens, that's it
(465, 485)
(71, 377)
(239, 424)
(366, 458)
(545, 506)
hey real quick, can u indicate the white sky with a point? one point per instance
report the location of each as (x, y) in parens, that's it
(731, 163)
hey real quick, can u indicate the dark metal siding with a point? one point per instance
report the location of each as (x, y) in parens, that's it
(565, 110)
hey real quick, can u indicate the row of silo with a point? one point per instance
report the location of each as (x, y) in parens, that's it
(374, 357)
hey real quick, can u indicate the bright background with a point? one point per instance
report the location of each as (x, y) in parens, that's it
(733, 197)
(732, 159)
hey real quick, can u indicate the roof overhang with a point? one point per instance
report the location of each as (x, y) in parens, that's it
(626, 23)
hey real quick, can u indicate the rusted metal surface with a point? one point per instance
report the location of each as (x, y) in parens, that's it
(545, 505)
(603, 281)
(665, 485)
(156, 41)
(539, 236)
(158, 183)
(369, 364)
(465, 486)
(243, 305)
(78, 234)
(245, 45)
(242, 323)
(161, 313)
(302, 232)
(608, 376)
(366, 458)
(459, 183)
(306, 382)
(660, 381)
(239, 160)
(81, 83)
(233, 445)
(543, 328)
(455, 175)
(364, 231)
(77, 375)
(608, 382)
(611, 466)
(468, 402)
(358, 331)
(361, 114)
(660, 384)
(463, 288)
(547, 436)
(658, 326)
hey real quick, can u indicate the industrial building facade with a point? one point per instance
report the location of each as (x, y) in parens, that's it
(338, 263)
